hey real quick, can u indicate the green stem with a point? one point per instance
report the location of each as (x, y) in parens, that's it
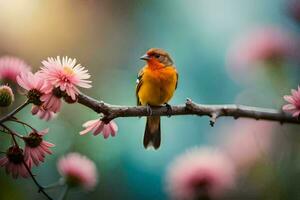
(24, 123)
(64, 193)
(54, 185)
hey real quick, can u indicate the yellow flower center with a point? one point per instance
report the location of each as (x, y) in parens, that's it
(68, 70)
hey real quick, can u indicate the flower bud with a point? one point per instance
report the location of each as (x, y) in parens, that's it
(6, 96)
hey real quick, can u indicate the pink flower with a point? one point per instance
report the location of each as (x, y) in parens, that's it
(78, 170)
(52, 100)
(36, 148)
(13, 162)
(42, 113)
(11, 67)
(247, 141)
(201, 173)
(294, 102)
(66, 75)
(97, 126)
(263, 44)
(34, 84)
(294, 9)
(36, 88)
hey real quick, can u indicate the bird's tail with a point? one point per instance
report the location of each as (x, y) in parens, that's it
(152, 132)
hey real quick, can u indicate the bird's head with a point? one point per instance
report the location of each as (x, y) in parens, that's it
(157, 57)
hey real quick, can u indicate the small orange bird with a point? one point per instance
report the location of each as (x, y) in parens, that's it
(156, 84)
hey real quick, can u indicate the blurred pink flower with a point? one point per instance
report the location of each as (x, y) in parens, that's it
(294, 102)
(66, 75)
(294, 9)
(78, 170)
(247, 141)
(11, 67)
(13, 162)
(36, 148)
(97, 126)
(263, 44)
(42, 113)
(200, 173)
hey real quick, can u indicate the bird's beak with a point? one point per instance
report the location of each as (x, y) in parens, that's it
(145, 57)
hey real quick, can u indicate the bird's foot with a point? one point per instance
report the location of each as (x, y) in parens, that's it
(149, 109)
(169, 109)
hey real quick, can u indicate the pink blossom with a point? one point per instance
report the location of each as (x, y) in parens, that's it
(200, 173)
(30, 81)
(262, 44)
(11, 67)
(294, 102)
(294, 9)
(247, 141)
(78, 170)
(35, 86)
(36, 148)
(52, 100)
(265, 46)
(97, 126)
(66, 75)
(43, 113)
(14, 162)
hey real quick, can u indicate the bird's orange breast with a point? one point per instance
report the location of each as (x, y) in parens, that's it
(158, 85)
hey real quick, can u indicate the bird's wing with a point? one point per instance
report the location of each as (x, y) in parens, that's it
(139, 82)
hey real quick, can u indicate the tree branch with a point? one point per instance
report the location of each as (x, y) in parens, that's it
(189, 108)
(15, 111)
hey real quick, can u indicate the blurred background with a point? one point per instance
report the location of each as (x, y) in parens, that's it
(209, 41)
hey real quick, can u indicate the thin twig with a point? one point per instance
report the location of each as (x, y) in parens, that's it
(40, 188)
(10, 132)
(12, 113)
(189, 108)
(24, 123)
(64, 193)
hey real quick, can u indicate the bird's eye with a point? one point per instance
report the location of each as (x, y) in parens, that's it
(156, 55)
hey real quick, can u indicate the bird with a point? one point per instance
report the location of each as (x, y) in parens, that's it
(155, 86)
